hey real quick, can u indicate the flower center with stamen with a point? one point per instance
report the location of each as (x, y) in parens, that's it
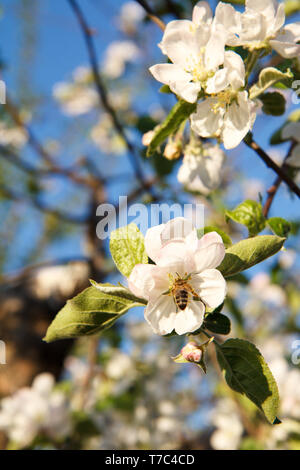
(225, 98)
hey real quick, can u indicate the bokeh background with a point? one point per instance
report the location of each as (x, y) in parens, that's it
(60, 157)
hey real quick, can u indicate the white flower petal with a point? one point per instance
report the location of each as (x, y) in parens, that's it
(180, 229)
(188, 91)
(153, 241)
(217, 82)
(180, 41)
(237, 121)
(148, 281)
(235, 69)
(161, 314)
(189, 319)
(210, 285)
(285, 43)
(205, 122)
(210, 253)
(280, 17)
(215, 50)
(169, 74)
(201, 13)
(266, 7)
(229, 18)
(291, 131)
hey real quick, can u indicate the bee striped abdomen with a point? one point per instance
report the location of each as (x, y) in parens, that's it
(181, 298)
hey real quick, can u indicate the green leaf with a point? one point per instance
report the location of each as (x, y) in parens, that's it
(180, 112)
(267, 78)
(92, 311)
(127, 248)
(246, 372)
(217, 323)
(279, 226)
(273, 103)
(291, 7)
(246, 253)
(226, 238)
(248, 213)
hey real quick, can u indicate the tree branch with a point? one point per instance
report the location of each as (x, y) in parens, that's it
(280, 172)
(104, 101)
(151, 14)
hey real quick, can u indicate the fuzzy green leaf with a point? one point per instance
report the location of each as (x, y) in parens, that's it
(279, 226)
(92, 311)
(180, 112)
(226, 238)
(267, 78)
(246, 372)
(247, 253)
(127, 248)
(248, 213)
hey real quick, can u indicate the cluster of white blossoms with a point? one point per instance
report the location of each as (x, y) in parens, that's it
(184, 281)
(202, 67)
(117, 55)
(39, 410)
(201, 168)
(12, 136)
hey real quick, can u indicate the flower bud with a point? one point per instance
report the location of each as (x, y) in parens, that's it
(172, 151)
(147, 137)
(192, 352)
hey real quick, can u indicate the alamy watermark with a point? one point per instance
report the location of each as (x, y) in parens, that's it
(2, 92)
(146, 216)
(296, 352)
(2, 352)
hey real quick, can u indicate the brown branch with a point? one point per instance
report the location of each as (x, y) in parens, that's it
(272, 191)
(280, 171)
(103, 98)
(153, 17)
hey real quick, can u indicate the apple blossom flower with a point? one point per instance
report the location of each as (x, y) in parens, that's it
(196, 49)
(201, 168)
(292, 132)
(183, 262)
(39, 409)
(262, 26)
(229, 114)
(117, 55)
(131, 15)
(191, 352)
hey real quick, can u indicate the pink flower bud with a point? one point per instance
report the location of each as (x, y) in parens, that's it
(172, 151)
(192, 352)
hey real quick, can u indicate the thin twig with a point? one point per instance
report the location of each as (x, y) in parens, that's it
(271, 164)
(12, 109)
(104, 101)
(153, 17)
(272, 191)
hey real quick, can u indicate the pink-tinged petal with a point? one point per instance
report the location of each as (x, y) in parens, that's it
(161, 314)
(153, 241)
(179, 229)
(237, 121)
(141, 280)
(148, 281)
(210, 253)
(210, 285)
(189, 319)
(172, 256)
(201, 13)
